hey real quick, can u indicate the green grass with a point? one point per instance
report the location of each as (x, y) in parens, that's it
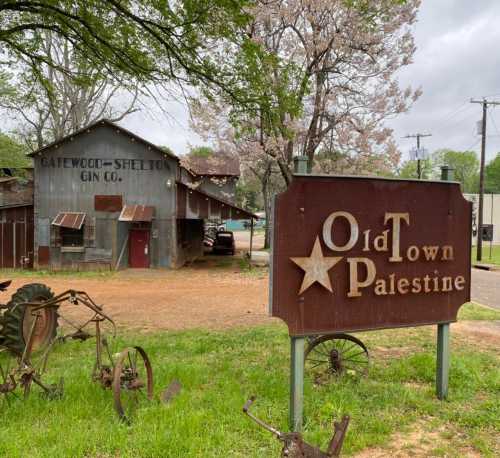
(494, 258)
(220, 370)
(473, 311)
(20, 273)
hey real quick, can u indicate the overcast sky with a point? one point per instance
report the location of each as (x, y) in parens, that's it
(457, 59)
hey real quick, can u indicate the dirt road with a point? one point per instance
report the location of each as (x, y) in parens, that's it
(204, 296)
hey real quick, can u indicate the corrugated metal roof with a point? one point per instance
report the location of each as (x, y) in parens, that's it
(193, 203)
(108, 123)
(219, 164)
(70, 220)
(136, 213)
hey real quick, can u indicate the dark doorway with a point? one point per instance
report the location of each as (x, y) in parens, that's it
(139, 248)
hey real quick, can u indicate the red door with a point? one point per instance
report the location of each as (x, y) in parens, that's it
(139, 248)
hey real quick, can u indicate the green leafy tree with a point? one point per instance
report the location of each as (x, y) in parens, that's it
(492, 176)
(148, 40)
(12, 153)
(409, 170)
(465, 166)
(248, 193)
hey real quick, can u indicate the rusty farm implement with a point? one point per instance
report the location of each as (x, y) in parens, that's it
(29, 328)
(294, 445)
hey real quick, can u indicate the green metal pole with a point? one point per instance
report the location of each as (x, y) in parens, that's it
(443, 360)
(443, 333)
(297, 347)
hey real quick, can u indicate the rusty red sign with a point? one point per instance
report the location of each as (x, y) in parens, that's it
(352, 254)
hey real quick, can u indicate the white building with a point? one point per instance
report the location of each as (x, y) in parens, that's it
(491, 214)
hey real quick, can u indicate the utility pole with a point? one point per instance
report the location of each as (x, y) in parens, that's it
(418, 137)
(485, 103)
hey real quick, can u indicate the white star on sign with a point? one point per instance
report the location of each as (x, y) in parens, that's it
(316, 268)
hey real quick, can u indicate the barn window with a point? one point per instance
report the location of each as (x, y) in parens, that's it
(69, 230)
(71, 237)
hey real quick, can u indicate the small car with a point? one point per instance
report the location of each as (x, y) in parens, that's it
(223, 243)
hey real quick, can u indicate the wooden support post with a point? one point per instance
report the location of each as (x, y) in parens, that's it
(443, 360)
(297, 383)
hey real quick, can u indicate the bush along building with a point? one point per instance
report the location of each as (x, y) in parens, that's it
(105, 195)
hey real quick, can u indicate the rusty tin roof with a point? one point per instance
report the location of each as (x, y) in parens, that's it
(137, 213)
(219, 164)
(70, 220)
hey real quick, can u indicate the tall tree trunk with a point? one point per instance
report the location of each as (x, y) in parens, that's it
(267, 210)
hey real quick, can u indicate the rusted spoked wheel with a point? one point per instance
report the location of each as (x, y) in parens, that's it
(132, 381)
(337, 354)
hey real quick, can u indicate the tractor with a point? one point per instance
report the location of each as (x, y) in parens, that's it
(16, 321)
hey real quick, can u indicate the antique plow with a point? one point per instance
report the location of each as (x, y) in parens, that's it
(294, 445)
(130, 376)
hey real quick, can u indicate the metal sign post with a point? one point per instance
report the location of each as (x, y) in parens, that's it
(443, 360)
(297, 349)
(443, 332)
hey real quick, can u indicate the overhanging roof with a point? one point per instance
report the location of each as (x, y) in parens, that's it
(136, 213)
(196, 204)
(70, 220)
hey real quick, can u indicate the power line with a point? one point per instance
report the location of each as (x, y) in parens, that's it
(494, 125)
(447, 118)
(476, 141)
(453, 112)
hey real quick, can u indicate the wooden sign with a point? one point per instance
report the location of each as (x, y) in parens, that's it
(352, 254)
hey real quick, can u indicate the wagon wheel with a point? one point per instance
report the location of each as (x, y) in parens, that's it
(337, 354)
(132, 381)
